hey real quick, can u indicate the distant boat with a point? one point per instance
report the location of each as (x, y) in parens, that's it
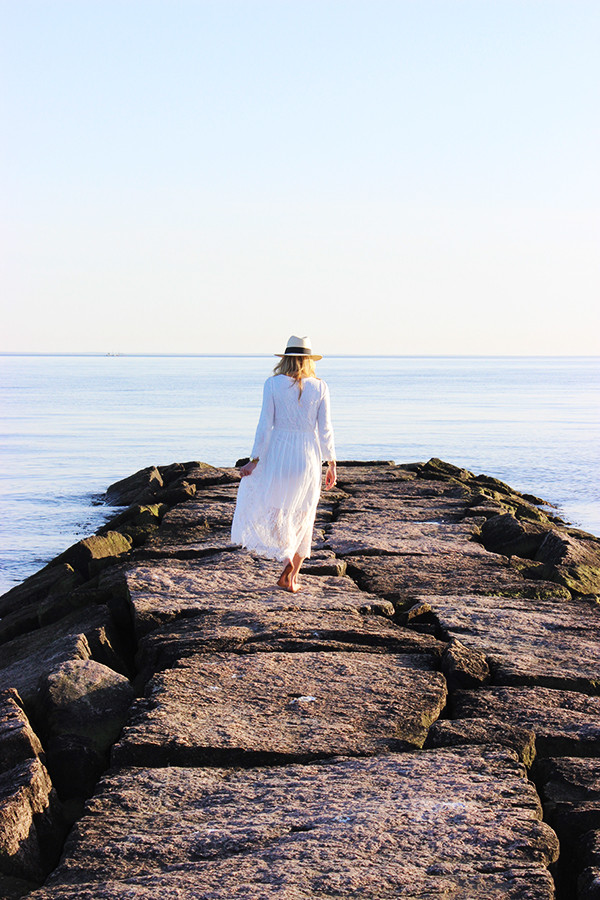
(113, 354)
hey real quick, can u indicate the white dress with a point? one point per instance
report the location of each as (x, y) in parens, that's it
(276, 504)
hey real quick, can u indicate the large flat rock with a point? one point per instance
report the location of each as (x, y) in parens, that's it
(565, 723)
(378, 532)
(403, 579)
(526, 641)
(268, 630)
(252, 709)
(461, 823)
(180, 588)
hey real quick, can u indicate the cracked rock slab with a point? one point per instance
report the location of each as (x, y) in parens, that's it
(179, 588)
(252, 709)
(565, 723)
(379, 532)
(526, 642)
(461, 823)
(268, 630)
(403, 580)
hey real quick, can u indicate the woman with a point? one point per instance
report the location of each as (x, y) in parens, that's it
(279, 491)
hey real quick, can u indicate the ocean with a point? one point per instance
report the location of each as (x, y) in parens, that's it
(74, 424)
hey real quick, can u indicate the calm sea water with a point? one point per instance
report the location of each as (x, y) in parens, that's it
(72, 425)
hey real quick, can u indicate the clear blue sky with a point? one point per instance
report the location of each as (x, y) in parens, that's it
(388, 176)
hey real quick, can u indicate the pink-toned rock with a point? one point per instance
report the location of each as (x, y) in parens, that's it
(463, 823)
(252, 709)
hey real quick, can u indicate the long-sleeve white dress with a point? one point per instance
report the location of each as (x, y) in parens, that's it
(276, 505)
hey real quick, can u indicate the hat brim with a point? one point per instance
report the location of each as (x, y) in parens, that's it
(302, 355)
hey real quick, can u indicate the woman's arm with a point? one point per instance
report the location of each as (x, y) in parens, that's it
(263, 429)
(324, 428)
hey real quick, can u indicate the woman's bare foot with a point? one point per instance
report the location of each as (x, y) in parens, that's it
(285, 577)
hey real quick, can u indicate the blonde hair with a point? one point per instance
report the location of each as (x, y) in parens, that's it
(296, 367)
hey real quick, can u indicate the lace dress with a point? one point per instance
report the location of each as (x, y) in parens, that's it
(276, 504)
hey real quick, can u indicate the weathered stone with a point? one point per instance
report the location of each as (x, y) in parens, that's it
(192, 526)
(404, 579)
(565, 723)
(81, 635)
(18, 741)
(84, 706)
(455, 732)
(588, 885)
(128, 490)
(572, 562)
(527, 642)
(28, 810)
(14, 888)
(51, 581)
(463, 666)
(438, 469)
(180, 588)
(202, 475)
(570, 791)
(282, 706)
(507, 535)
(85, 555)
(268, 630)
(373, 532)
(414, 825)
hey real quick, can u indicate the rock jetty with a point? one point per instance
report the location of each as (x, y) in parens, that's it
(421, 721)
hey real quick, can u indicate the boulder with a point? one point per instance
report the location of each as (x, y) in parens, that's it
(29, 813)
(50, 582)
(403, 580)
(565, 723)
(492, 732)
(463, 666)
(81, 635)
(18, 741)
(130, 490)
(84, 705)
(86, 555)
(268, 707)
(282, 630)
(511, 537)
(573, 562)
(529, 642)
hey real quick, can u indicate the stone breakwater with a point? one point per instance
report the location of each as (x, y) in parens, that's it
(422, 720)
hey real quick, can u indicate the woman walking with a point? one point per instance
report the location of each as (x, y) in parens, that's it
(279, 491)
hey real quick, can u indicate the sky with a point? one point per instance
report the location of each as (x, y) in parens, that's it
(407, 177)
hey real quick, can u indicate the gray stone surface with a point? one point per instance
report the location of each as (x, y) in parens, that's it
(160, 594)
(228, 708)
(28, 811)
(18, 741)
(376, 532)
(84, 633)
(494, 732)
(403, 580)
(565, 723)
(461, 823)
(525, 641)
(268, 630)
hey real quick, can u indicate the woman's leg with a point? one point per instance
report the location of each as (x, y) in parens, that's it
(284, 578)
(293, 577)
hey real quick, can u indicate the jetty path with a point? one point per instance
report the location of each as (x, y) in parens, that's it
(421, 721)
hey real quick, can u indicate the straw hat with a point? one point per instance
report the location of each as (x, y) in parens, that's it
(299, 346)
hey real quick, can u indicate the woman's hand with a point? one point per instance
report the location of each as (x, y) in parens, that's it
(248, 468)
(330, 475)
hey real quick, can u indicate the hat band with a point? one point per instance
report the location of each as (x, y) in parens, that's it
(297, 351)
